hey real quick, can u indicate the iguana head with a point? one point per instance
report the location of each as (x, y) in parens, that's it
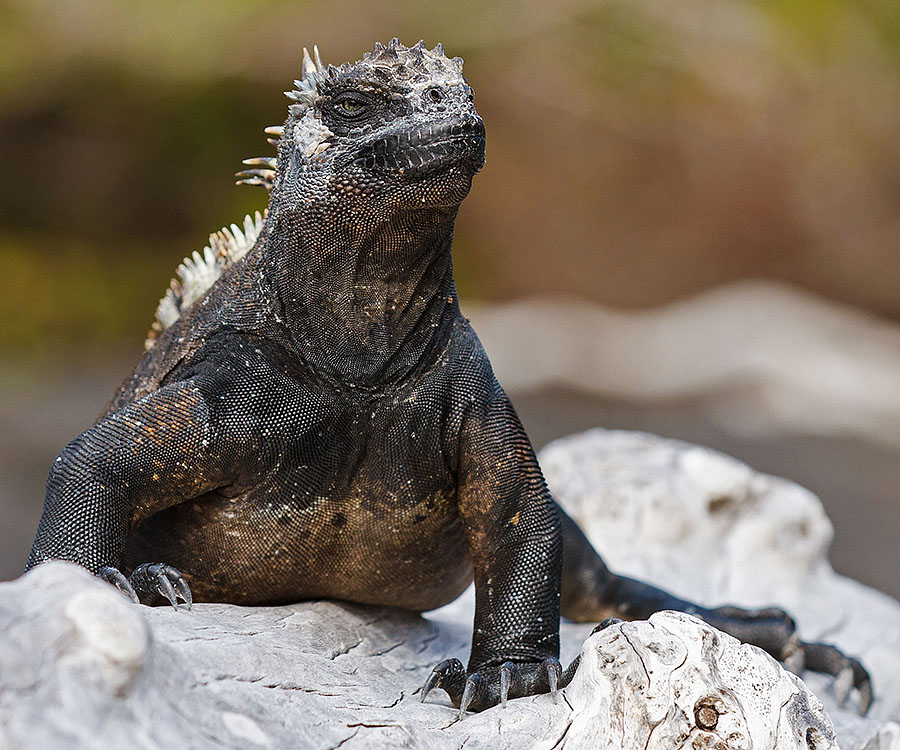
(370, 141)
(396, 130)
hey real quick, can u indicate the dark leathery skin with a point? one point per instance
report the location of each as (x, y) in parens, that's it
(332, 505)
(323, 422)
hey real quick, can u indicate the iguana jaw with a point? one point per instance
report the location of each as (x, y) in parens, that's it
(418, 153)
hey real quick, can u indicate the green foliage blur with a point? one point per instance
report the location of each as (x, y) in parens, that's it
(637, 151)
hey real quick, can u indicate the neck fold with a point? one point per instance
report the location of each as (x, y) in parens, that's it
(365, 301)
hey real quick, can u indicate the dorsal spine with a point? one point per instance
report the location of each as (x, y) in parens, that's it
(201, 270)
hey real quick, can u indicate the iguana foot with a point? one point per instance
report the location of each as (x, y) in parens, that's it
(496, 684)
(149, 583)
(848, 672)
(493, 685)
(773, 630)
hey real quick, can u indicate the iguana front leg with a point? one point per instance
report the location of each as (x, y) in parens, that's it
(513, 532)
(143, 458)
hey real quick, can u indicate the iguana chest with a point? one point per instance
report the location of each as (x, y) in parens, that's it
(359, 504)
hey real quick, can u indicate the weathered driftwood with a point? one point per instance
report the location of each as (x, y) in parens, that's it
(82, 667)
(712, 529)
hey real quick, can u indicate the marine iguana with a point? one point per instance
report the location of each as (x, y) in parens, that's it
(314, 417)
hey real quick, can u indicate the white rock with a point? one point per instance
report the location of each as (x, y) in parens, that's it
(112, 640)
(709, 528)
(704, 519)
(320, 674)
(81, 667)
(674, 681)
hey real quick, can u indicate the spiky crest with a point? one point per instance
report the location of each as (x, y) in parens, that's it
(416, 63)
(200, 271)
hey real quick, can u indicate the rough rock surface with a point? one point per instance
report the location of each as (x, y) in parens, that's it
(710, 528)
(82, 667)
(673, 681)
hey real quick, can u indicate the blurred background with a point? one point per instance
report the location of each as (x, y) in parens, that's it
(688, 223)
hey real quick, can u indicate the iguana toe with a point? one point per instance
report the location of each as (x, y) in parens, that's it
(152, 581)
(491, 686)
(115, 577)
(475, 688)
(449, 675)
(847, 671)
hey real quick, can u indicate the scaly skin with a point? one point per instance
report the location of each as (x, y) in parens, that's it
(323, 422)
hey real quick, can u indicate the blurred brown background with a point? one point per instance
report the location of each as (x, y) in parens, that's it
(640, 154)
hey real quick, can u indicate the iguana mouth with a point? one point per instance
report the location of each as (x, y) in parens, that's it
(425, 150)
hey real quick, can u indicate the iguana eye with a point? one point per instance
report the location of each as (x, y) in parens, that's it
(351, 106)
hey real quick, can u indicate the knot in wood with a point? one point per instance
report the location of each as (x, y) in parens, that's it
(706, 713)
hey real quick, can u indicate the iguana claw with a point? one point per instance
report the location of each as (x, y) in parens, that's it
(115, 577)
(150, 581)
(554, 672)
(473, 683)
(157, 579)
(793, 656)
(507, 670)
(490, 686)
(843, 684)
